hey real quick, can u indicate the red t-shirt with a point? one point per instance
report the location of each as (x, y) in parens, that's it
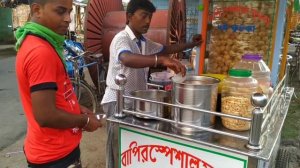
(39, 67)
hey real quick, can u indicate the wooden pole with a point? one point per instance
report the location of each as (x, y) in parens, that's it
(204, 34)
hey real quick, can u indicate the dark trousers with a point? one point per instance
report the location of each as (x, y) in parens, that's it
(72, 160)
(111, 147)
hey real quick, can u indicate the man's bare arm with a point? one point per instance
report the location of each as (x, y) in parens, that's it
(47, 115)
(141, 61)
(175, 48)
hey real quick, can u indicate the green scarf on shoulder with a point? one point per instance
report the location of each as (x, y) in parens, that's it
(53, 38)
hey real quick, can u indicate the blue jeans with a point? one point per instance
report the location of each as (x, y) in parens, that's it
(72, 160)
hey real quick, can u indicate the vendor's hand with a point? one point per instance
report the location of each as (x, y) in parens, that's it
(85, 110)
(173, 64)
(197, 39)
(93, 124)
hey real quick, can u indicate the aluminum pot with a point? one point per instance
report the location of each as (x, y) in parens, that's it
(198, 92)
(149, 108)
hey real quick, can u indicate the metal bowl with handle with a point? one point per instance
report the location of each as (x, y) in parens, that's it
(149, 108)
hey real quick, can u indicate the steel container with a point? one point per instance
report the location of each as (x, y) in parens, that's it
(149, 108)
(198, 92)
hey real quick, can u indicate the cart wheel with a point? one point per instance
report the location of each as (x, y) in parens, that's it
(283, 158)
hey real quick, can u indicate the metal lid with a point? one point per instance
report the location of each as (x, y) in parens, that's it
(252, 57)
(240, 73)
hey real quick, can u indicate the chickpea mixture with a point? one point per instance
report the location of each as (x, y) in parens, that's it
(239, 106)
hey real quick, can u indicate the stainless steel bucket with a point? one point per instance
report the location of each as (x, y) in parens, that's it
(198, 92)
(151, 108)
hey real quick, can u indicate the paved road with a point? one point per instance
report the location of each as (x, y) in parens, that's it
(12, 120)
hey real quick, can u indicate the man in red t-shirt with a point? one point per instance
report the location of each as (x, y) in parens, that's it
(54, 118)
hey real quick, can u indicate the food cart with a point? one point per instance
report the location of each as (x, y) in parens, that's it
(159, 142)
(155, 143)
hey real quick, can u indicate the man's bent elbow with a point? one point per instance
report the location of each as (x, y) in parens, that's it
(124, 61)
(43, 122)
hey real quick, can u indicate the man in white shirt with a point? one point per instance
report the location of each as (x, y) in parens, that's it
(132, 54)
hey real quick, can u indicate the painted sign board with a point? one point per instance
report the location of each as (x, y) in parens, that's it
(145, 149)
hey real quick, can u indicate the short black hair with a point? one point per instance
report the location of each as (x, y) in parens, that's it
(37, 1)
(146, 5)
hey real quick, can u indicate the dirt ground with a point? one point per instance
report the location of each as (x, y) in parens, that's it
(92, 151)
(291, 133)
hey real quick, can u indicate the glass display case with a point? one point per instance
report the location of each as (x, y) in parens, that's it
(238, 27)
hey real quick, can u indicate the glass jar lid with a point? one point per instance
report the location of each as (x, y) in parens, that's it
(252, 57)
(240, 73)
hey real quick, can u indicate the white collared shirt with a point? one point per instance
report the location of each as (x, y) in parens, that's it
(126, 41)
